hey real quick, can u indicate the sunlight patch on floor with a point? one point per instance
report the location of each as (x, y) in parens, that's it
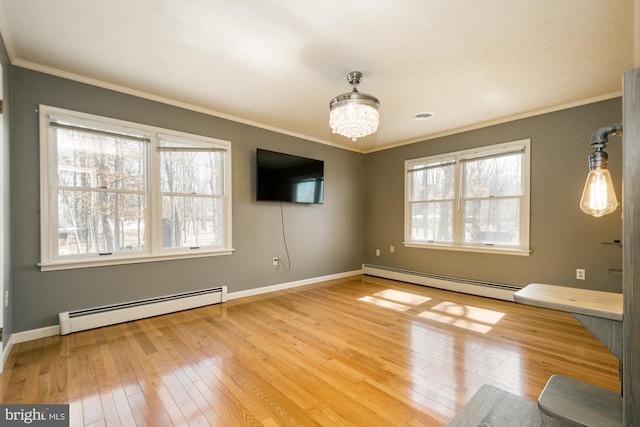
(395, 300)
(402, 297)
(384, 303)
(463, 316)
(470, 312)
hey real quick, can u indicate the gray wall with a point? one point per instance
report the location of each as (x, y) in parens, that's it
(5, 280)
(562, 237)
(322, 239)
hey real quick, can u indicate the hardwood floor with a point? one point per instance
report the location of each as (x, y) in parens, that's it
(354, 351)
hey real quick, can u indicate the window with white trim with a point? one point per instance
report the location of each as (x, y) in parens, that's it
(472, 200)
(114, 192)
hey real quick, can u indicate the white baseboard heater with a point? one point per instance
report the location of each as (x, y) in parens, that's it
(456, 284)
(81, 320)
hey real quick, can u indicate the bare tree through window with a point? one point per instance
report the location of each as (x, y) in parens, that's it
(119, 192)
(469, 198)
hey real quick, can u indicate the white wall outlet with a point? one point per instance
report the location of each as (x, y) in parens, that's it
(377, 252)
(392, 249)
(580, 273)
(275, 260)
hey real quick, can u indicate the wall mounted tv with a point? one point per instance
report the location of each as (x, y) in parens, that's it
(284, 177)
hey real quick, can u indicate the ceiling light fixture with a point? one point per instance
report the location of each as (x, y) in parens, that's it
(599, 197)
(354, 114)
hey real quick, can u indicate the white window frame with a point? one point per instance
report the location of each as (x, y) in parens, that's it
(153, 251)
(457, 243)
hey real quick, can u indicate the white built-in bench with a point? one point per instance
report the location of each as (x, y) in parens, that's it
(565, 398)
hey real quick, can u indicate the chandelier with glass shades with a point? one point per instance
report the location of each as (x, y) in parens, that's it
(354, 114)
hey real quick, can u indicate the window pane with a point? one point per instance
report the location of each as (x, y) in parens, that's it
(493, 176)
(432, 221)
(433, 183)
(99, 161)
(492, 221)
(193, 172)
(91, 222)
(191, 222)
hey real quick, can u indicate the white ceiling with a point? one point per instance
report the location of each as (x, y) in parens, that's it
(278, 63)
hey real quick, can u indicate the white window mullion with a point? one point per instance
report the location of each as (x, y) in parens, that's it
(227, 198)
(155, 203)
(458, 211)
(525, 199)
(48, 204)
(407, 202)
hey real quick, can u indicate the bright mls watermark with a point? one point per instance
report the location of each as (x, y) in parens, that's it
(34, 415)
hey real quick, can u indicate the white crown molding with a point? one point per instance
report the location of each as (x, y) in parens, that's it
(502, 120)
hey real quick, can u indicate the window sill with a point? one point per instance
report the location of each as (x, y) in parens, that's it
(477, 249)
(73, 264)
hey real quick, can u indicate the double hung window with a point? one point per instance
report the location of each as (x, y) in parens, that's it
(474, 200)
(116, 192)
(192, 193)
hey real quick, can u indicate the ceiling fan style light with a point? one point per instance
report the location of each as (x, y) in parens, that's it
(599, 197)
(354, 114)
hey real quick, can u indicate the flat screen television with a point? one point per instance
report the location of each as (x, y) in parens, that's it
(284, 177)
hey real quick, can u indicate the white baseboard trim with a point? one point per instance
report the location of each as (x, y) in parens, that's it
(49, 331)
(289, 285)
(449, 285)
(34, 334)
(20, 337)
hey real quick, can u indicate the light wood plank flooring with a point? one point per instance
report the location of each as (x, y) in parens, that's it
(355, 351)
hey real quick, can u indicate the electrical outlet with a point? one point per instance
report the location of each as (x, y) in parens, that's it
(275, 260)
(580, 273)
(377, 252)
(392, 249)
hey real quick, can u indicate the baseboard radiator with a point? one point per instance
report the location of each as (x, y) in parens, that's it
(81, 320)
(457, 284)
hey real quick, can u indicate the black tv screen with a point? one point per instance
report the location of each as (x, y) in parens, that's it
(287, 178)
